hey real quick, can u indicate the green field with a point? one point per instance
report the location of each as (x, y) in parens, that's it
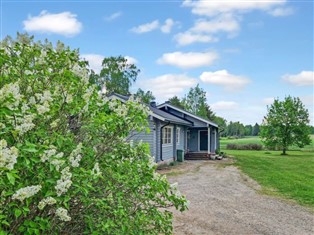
(256, 140)
(290, 176)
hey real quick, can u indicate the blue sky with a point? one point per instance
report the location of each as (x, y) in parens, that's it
(242, 53)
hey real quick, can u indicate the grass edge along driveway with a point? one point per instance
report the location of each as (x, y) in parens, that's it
(290, 176)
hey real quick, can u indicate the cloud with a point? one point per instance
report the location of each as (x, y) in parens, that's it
(113, 16)
(95, 61)
(268, 100)
(188, 60)
(168, 85)
(229, 81)
(224, 17)
(144, 28)
(166, 28)
(224, 105)
(64, 23)
(222, 23)
(281, 11)
(131, 60)
(187, 38)
(304, 78)
(213, 8)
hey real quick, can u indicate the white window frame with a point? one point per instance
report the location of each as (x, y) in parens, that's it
(165, 135)
(178, 135)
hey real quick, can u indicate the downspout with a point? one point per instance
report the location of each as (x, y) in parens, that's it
(161, 140)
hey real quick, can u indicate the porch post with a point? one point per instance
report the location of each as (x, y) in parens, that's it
(208, 144)
(215, 139)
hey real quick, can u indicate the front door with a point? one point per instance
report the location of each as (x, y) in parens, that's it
(203, 140)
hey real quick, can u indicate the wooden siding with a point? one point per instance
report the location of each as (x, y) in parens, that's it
(149, 138)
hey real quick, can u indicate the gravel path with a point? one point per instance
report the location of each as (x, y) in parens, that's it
(224, 201)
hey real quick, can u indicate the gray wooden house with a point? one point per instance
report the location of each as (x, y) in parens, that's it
(172, 129)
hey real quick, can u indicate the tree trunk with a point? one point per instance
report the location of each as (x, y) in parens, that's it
(284, 151)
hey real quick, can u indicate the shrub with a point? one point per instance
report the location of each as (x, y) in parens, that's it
(65, 165)
(244, 146)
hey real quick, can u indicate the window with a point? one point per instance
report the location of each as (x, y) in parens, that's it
(167, 135)
(178, 135)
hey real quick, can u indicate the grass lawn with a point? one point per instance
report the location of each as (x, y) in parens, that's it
(290, 176)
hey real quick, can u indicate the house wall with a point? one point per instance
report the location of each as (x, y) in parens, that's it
(149, 138)
(193, 145)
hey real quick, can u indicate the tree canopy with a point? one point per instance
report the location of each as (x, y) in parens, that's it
(286, 124)
(145, 97)
(117, 75)
(66, 165)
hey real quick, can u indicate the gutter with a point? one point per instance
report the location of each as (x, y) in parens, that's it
(161, 139)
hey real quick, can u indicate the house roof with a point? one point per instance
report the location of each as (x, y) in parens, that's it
(164, 116)
(156, 113)
(187, 113)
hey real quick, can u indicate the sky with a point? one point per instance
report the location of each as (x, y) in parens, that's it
(242, 53)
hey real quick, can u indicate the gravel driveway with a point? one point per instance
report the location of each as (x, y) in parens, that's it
(225, 201)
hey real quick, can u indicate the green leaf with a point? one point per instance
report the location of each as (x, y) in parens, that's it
(17, 212)
(11, 178)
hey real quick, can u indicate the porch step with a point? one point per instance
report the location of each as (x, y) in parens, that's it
(197, 156)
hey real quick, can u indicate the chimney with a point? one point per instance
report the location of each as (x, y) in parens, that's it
(153, 104)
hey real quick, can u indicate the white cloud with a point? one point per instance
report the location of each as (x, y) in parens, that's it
(131, 60)
(281, 11)
(144, 28)
(223, 78)
(94, 61)
(222, 23)
(304, 78)
(64, 23)
(212, 8)
(166, 28)
(224, 105)
(268, 100)
(308, 100)
(168, 85)
(188, 60)
(187, 38)
(113, 16)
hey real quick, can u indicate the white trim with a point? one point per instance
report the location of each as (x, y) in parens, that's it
(215, 140)
(208, 144)
(187, 113)
(178, 132)
(171, 136)
(199, 142)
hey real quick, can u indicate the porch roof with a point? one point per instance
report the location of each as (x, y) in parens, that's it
(187, 113)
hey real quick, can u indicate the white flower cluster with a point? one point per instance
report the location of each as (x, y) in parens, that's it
(44, 100)
(81, 72)
(8, 156)
(65, 182)
(26, 192)
(96, 170)
(55, 123)
(11, 89)
(53, 157)
(63, 214)
(75, 156)
(46, 201)
(25, 124)
(120, 109)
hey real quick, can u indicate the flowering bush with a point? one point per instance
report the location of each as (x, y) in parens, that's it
(66, 166)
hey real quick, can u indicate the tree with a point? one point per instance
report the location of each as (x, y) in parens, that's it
(222, 124)
(117, 75)
(286, 124)
(65, 164)
(248, 130)
(256, 129)
(176, 102)
(146, 97)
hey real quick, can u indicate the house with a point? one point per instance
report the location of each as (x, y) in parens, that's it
(172, 129)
